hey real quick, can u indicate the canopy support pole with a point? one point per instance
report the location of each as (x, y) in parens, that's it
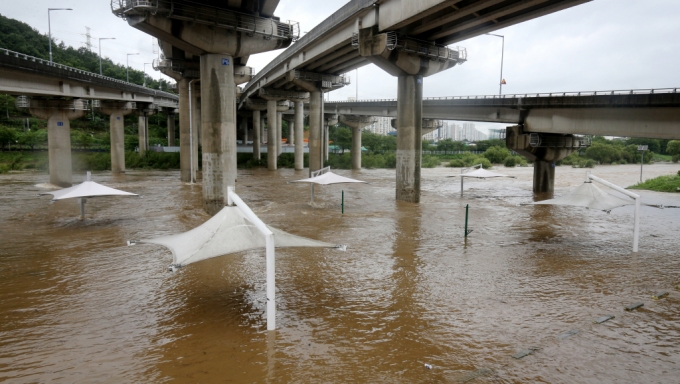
(82, 207)
(234, 199)
(636, 230)
(312, 192)
(463, 170)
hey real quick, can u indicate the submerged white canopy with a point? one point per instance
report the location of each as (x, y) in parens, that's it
(588, 195)
(229, 231)
(87, 189)
(324, 176)
(480, 173)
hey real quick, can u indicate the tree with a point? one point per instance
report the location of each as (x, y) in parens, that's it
(602, 152)
(497, 154)
(673, 147)
(33, 138)
(7, 136)
(652, 144)
(341, 137)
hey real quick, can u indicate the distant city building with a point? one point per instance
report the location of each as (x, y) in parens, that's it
(449, 130)
(382, 126)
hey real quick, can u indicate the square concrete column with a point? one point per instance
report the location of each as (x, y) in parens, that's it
(218, 126)
(196, 124)
(272, 134)
(142, 122)
(299, 136)
(279, 132)
(409, 137)
(315, 128)
(256, 135)
(185, 141)
(117, 112)
(59, 147)
(171, 130)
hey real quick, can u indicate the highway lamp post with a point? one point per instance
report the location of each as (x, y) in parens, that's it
(145, 64)
(127, 66)
(642, 149)
(500, 83)
(49, 25)
(100, 52)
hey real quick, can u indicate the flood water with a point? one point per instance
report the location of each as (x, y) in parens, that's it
(79, 306)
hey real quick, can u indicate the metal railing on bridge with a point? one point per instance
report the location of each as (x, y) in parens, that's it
(648, 91)
(46, 62)
(208, 15)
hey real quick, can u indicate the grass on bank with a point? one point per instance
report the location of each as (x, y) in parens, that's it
(670, 183)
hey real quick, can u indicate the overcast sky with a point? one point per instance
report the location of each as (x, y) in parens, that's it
(601, 45)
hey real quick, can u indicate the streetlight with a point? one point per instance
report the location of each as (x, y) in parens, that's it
(49, 25)
(145, 64)
(127, 67)
(500, 84)
(100, 52)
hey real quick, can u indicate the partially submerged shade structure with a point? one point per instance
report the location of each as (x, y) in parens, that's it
(324, 176)
(234, 229)
(86, 190)
(588, 195)
(479, 173)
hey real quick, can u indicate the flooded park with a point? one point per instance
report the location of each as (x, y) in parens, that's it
(410, 301)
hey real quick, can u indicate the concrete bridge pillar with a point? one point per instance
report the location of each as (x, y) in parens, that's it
(257, 120)
(189, 128)
(59, 114)
(272, 134)
(331, 119)
(143, 111)
(299, 136)
(357, 123)
(171, 128)
(279, 132)
(315, 117)
(218, 129)
(117, 110)
(410, 62)
(544, 149)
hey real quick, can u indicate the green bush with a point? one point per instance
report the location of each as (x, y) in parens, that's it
(430, 161)
(456, 163)
(676, 158)
(4, 168)
(509, 161)
(497, 154)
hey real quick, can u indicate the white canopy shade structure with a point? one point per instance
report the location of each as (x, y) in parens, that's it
(588, 195)
(86, 190)
(234, 229)
(324, 176)
(479, 173)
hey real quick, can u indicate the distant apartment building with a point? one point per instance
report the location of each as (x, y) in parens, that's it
(449, 130)
(382, 126)
(496, 134)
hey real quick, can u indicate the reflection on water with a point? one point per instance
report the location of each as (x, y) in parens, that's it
(79, 306)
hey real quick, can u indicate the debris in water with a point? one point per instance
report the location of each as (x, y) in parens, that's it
(634, 306)
(568, 334)
(474, 375)
(603, 319)
(677, 287)
(428, 366)
(660, 295)
(525, 353)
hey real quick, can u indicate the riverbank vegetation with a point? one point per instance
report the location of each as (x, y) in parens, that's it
(669, 183)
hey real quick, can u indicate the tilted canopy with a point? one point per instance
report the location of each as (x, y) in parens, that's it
(590, 196)
(86, 189)
(328, 178)
(229, 231)
(481, 173)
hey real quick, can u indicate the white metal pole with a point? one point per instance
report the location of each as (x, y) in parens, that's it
(636, 230)
(191, 136)
(49, 27)
(642, 160)
(271, 283)
(82, 208)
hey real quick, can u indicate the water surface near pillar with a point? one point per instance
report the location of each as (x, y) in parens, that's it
(77, 305)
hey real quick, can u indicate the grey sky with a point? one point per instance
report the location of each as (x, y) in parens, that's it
(601, 45)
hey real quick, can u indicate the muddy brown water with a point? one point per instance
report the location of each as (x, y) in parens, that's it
(79, 306)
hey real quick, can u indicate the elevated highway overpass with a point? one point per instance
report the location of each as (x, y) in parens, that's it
(59, 94)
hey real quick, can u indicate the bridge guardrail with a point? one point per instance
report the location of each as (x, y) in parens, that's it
(648, 91)
(46, 62)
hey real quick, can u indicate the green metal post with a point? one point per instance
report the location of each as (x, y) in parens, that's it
(467, 206)
(343, 201)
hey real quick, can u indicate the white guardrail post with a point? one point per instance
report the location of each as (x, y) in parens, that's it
(233, 199)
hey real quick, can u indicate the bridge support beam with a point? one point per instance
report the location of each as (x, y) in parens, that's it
(218, 128)
(117, 112)
(299, 136)
(544, 149)
(315, 117)
(59, 114)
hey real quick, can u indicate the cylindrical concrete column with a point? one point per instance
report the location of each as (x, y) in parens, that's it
(141, 133)
(544, 176)
(171, 130)
(291, 131)
(263, 137)
(299, 136)
(218, 126)
(326, 131)
(256, 135)
(272, 134)
(315, 127)
(196, 124)
(356, 148)
(279, 131)
(184, 132)
(409, 137)
(244, 129)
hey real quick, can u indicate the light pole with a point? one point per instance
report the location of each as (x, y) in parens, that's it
(642, 149)
(127, 66)
(100, 52)
(145, 64)
(49, 25)
(500, 83)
